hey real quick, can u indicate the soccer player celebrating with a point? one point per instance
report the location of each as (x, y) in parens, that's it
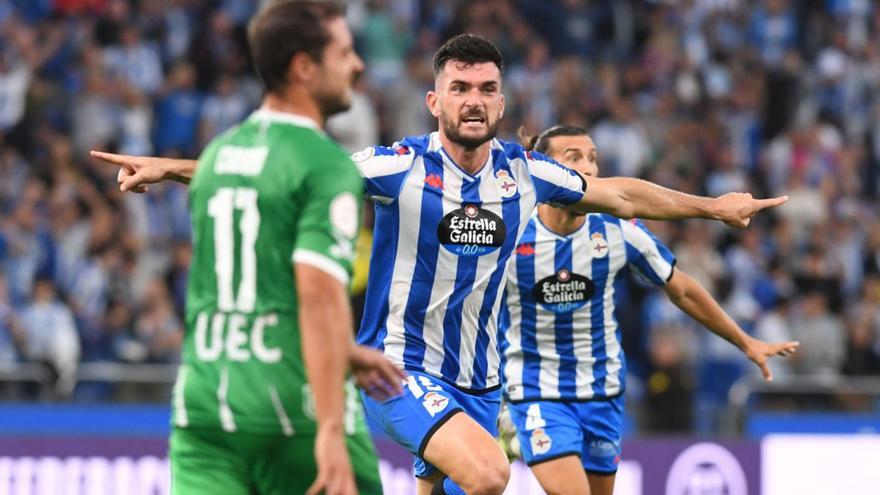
(260, 401)
(450, 208)
(564, 367)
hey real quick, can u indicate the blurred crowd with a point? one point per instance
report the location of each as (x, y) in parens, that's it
(704, 96)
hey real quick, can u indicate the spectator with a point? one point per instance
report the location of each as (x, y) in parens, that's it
(11, 336)
(773, 30)
(15, 75)
(177, 112)
(385, 43)
(822, 337)
(776, 326)
(222, 109)
(135, 61)
(669, 385)
(158, 328)
(863, 344)
(50, 335)
(622, 141)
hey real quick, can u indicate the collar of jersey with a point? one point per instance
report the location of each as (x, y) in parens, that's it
(550, 231)
(285, 118)
(436, 145)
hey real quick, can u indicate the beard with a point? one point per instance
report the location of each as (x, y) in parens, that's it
(450, 128)
(331, 102)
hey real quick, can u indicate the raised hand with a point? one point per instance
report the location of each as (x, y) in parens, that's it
(759, 352)
(737, 209)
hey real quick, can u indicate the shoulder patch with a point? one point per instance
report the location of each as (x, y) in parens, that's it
(364, 154)
(344, 214)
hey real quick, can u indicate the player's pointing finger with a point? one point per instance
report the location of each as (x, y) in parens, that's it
(112, 158)
(771, 202)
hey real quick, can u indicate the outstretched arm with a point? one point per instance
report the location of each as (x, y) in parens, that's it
(695, 300)
(135, 172)
(633, 198)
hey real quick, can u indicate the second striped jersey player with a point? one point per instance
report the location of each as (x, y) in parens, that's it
(563, 341)
(564, 367)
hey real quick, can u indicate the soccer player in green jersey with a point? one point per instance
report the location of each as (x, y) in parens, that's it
(261, 403)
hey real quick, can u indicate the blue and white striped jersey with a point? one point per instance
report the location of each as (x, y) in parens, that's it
(559, 337)
(441, 245)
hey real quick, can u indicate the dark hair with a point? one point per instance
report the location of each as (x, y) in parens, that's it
(284, 28)
(541, 142)
(467, 48)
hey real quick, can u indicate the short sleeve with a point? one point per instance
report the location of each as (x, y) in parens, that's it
(384, 170)
(555, 184)
(646, 254)
(330, 219)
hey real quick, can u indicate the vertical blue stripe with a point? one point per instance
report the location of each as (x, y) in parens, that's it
(465, 274)
(503, 342)
(425, 268)
(564, 328)
(597, 310)
(373, 327)
(510, 217)
(525, 272)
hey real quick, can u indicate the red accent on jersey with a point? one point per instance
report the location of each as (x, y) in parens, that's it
(402, 150)
(525, 249)
(434, 181)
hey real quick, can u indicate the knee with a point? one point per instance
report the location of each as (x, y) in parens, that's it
(491, 481)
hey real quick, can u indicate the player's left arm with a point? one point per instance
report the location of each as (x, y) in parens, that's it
(626, 197)
(695, 300)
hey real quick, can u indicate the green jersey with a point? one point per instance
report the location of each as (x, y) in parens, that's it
(272, 191)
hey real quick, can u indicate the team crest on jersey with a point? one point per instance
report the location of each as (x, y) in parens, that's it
(541, 442)
(599, 245)
(434, 403)
(506, 183)
(471, 231)
(564, 291)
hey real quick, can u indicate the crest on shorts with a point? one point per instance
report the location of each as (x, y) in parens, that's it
(541, 442)
(434, 403)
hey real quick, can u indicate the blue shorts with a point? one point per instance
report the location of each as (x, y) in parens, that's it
(411, 418)
(548, 430)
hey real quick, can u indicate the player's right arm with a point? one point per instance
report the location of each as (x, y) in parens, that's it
(326, 335)
(135, 172)
(626, 197)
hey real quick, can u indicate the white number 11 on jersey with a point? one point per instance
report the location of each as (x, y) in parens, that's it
(221, 207)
